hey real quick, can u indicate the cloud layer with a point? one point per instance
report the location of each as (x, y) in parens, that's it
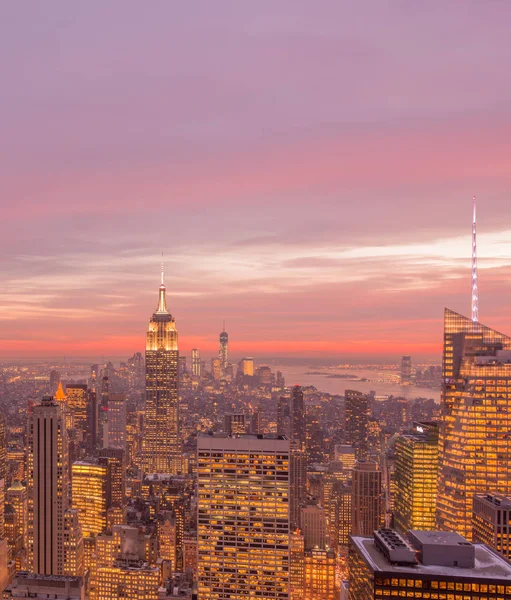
(307, 174)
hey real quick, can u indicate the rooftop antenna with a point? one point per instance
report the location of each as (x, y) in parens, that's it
(475, 298)
(162, 273)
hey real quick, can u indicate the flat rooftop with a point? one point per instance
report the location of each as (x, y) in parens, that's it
(488, 564)
(243, 441)
(497, 500)
(440, 538)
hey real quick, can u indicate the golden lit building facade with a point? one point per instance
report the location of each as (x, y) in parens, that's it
(16, 523)
(491, 522)
(357, 420)
(243, 517)
(296, 566)
(89, 493)
(415, 478)
(320, 581)
(161, 446)
(475, 433)
(125, 579)
(77, 404)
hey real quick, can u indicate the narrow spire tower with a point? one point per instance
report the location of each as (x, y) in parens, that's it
(161, 445)
(475, 298)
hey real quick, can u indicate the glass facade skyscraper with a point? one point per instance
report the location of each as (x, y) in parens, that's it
(475, 434)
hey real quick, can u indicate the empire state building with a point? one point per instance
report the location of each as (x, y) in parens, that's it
(161, 451)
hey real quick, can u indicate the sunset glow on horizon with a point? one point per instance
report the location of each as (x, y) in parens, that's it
(307, 180)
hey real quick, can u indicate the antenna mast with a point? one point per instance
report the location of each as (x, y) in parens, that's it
(475, 297)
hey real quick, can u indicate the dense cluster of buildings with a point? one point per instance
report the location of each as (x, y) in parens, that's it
(163, 480)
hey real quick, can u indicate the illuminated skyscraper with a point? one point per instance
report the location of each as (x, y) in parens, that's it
(243, 517)
(298, 454)
(357, 413)
(115, 430)
(161, 450)
(415, 476)
(475, 449)
(196, 364)
(296, 566)
(77, 404)
(16, 498)
(3, 447)
(89, 496)
(216, 369)
(54, 533)
(223, 349)
(246, 367)
(367, 500)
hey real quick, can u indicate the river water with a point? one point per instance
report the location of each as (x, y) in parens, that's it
(378, 381)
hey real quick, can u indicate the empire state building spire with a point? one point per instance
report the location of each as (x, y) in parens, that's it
(162, 302)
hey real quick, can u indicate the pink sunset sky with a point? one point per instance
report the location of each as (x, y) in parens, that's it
(307, 169)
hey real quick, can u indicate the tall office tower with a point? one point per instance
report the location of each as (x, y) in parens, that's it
(406, 369)
(475, 453)
(246, 367)
(223, 349)
(3, 447)
(434, 564)
(196, 364)
(161, 450)
(77, 404)
(296, 566)
(73, 550)
(343, 512)
(103, 394)
(346, 455)
(491, 522)
(243, 517)
(61, 399)
(4, 541)
(115, 462)
(264, 375)
(320, 581)
(48, 487)
(16, 499)
(216, 369)
(415, 477)
(91, 436)
(89, 496)
(95, 377)
(298, 456)
(283, 417)
(297, 416)
(367, 500)
(357, 416)
(313, 521)
(115, 430)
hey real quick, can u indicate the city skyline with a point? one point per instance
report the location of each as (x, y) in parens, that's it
(321, 205)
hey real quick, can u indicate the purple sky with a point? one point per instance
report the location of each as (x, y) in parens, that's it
(307, 169)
